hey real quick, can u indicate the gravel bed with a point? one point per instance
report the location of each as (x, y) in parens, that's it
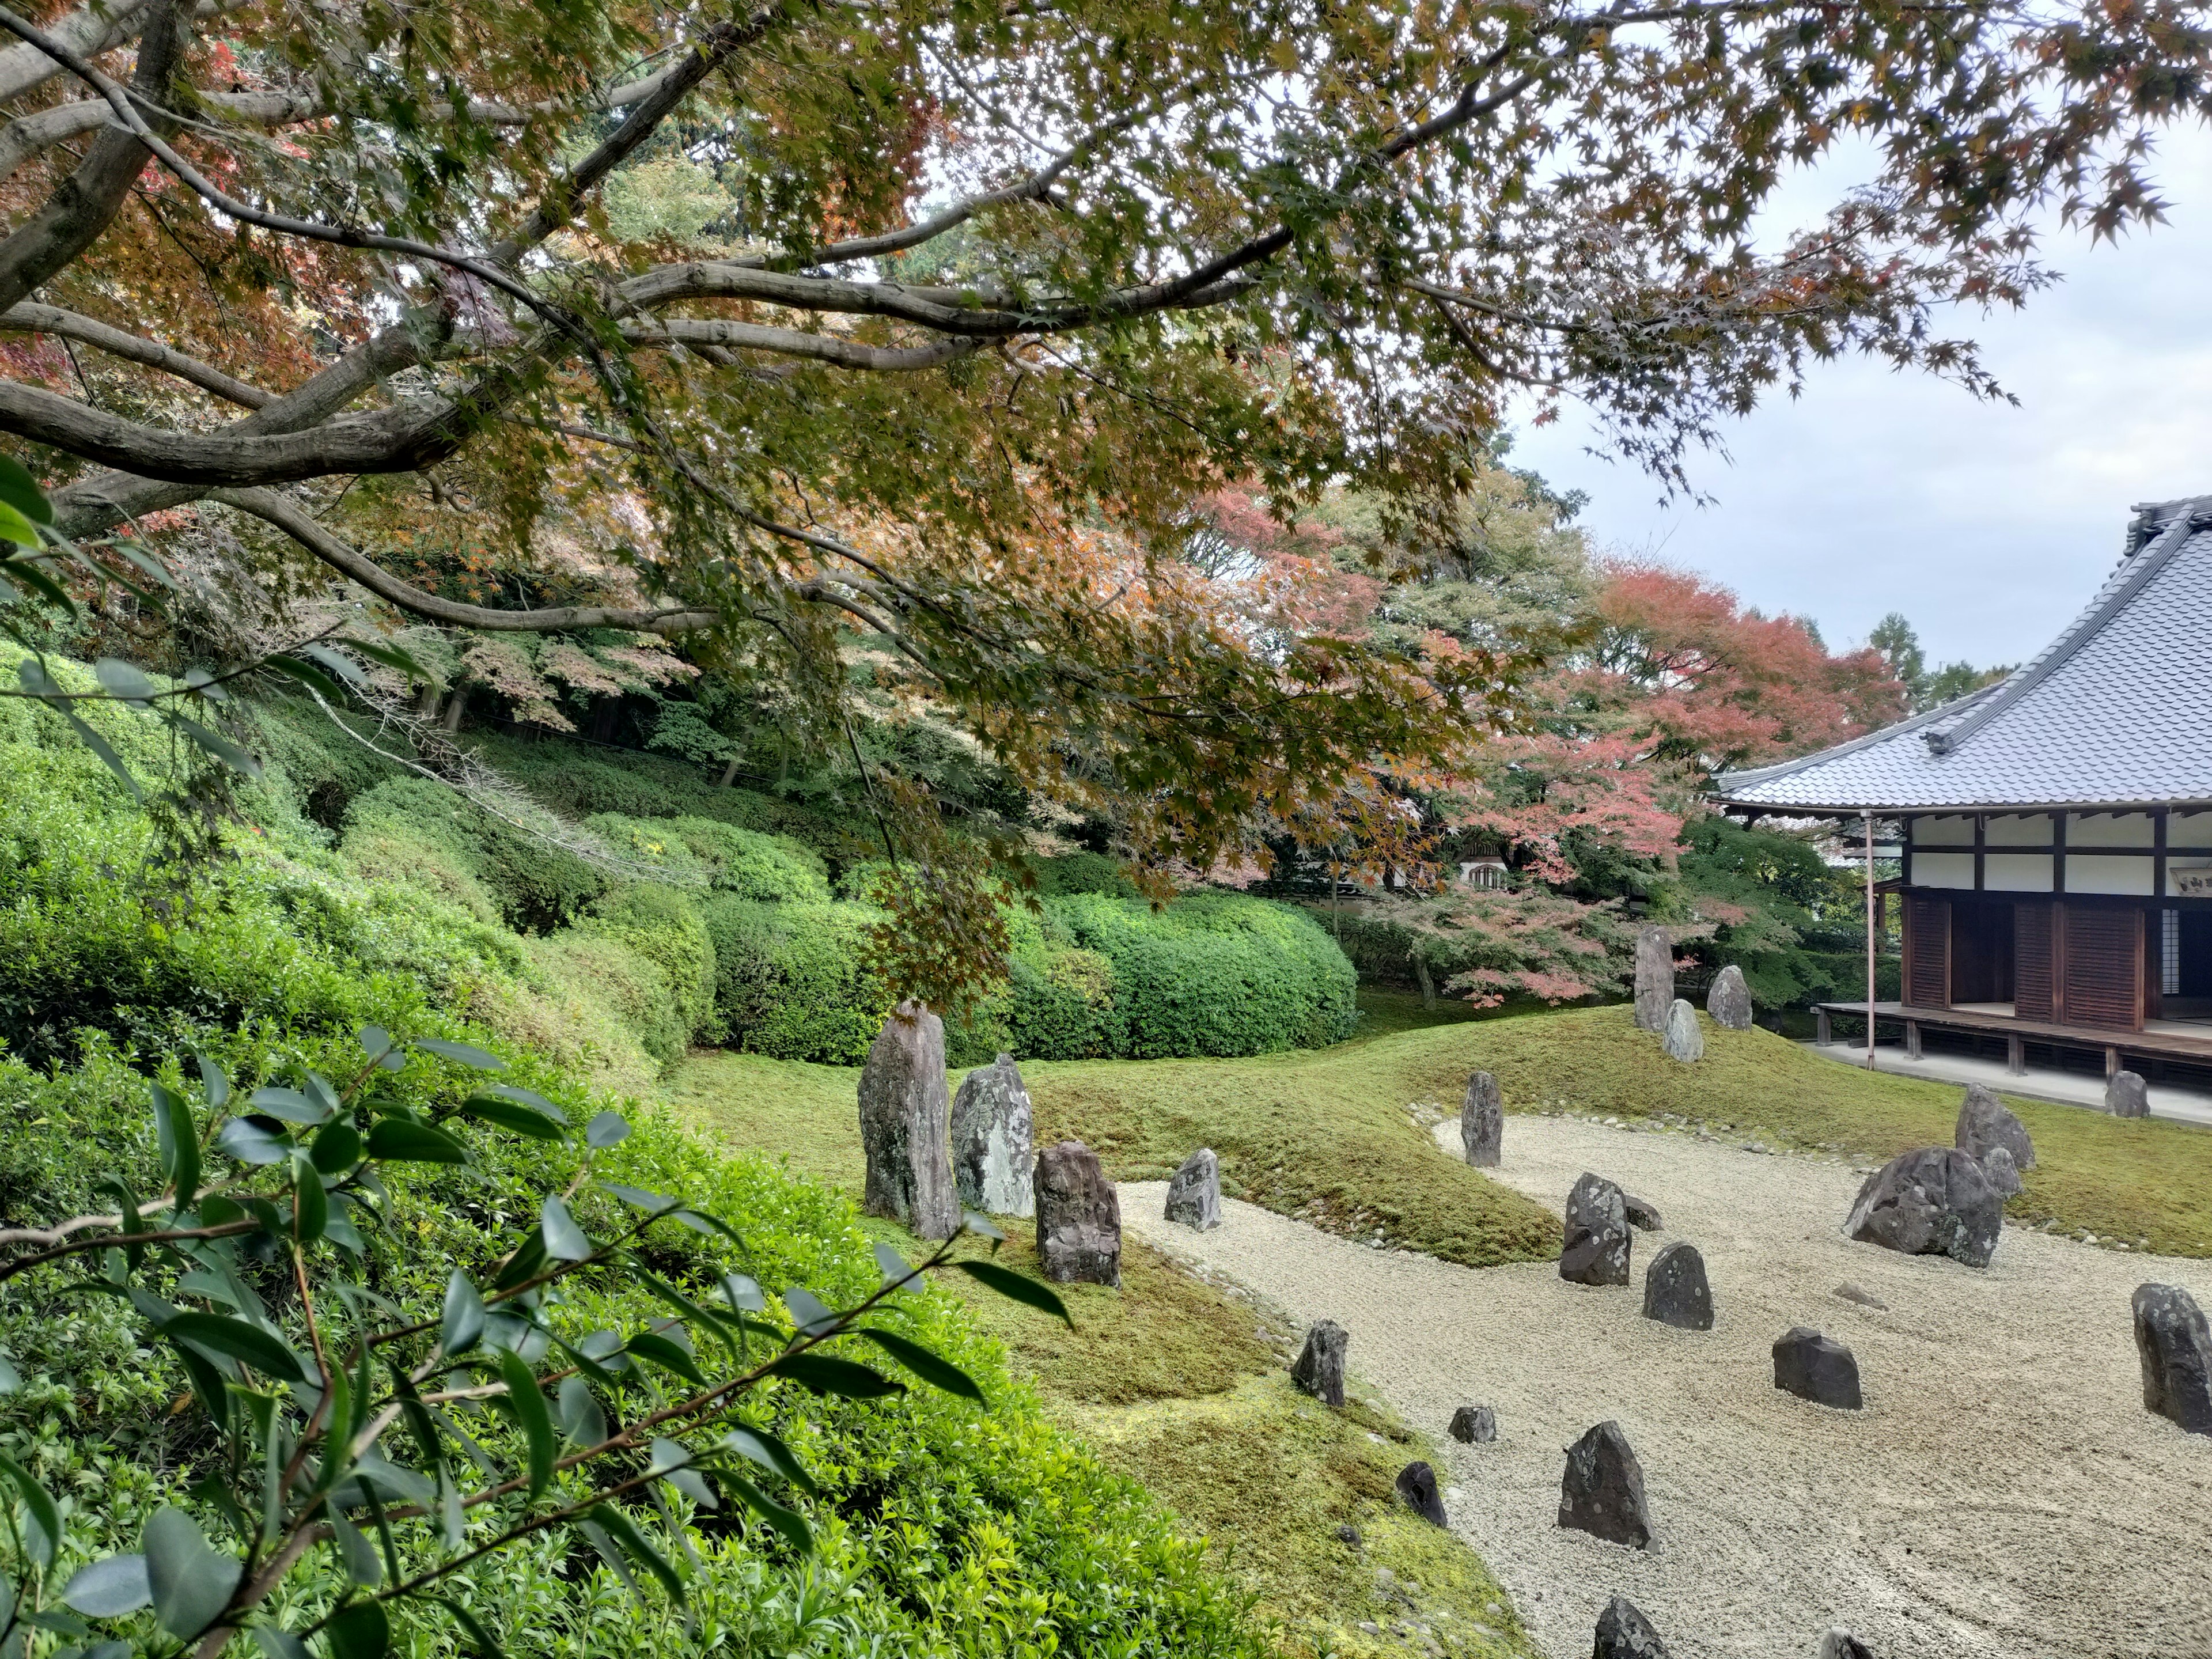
(2002, 1493)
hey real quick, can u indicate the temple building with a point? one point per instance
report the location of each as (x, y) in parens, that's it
(2054, 830)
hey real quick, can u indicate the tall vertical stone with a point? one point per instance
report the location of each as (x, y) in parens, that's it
(1654, 975)
(1319, 1369)
(1683, 1038)
(1194, 1191)
(904, 1124)
(991, 1158)
(1594, 1248)
(1079, 1217)
(1602, 1491)
(2126, 1095)
(1728, 1001)
(1482, 1121)
(2174, 1340)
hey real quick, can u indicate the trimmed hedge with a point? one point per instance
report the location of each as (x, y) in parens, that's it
(789, 979)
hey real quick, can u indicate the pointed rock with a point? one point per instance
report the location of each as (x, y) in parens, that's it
(992, 1159)
(1729, 1001)
(1985, 1122)
(1683, 1039)
(1676, 1291)
(2175, 1345)
(903, 1126)
(1654, 975)
(1417, 1484)
(2126, 1095)
(1079, 1217)
(1194, 1191)
(1319, 1370)
(1594, 1249)
(1840, 1644)
(1623, 1632)
(1482, 1121)
(1643, 1214)
(1475, 1425)
(1602, 1492)
(1816, 1367)
(1935, 1201)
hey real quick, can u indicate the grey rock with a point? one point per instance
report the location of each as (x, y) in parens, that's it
(1319, 1368)
(1729, 1001)
(1348, 1533)
(993, 1157)
(1475, 1425)
(904, 1118)
(2002, 1172)
(1079, 1217)
(1985, 1122)
(1683, 1039)
(1594, 1249)
(1839, 1644)
(2126, 1095)
(1602, 1492)
(1816, 1367)
(2175, 1345)
(1935, 1201)
(1864, 1298)
(1654, 975)
(1482, 1121)
(1417, 1484)
(1194, 1191)
(1676, 1291)
(1643, 1214)
(1623, 1632)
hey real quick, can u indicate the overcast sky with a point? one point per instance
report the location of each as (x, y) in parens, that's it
(1987, 524)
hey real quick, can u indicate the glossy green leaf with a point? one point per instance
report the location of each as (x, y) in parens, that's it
(1017, 1287)
(461, 1053)
(581, 1419)
(939, 1373)
(743, 1293)
(526, 1264)
(338, 1148)
(762, 1447)
(788, 1524)
(627, 1533)
(479, 1638)
(391, 656)
(109, 1589)
(564, 1239)
(241, 1341)
(673, 1463)
(42, 1521)
(522, 1096)
(190, 1583)
(607, 1129)
(668, 1354)
(464, 1320)
(401, 1141)
(214, 1083)
(231, 754)
(277, 1644)
(807, 1312)
(289, 1104)
(375, 1041)
(355, 1554)
(896, 1271)
(528, 1404)
(249, 1143)
(311, 1205)
(15, 527)
(825, 1374)
(292, 668)
(120, 679)
(20, 490)
(512, 1114)
(178, 1138)
(359, 1631)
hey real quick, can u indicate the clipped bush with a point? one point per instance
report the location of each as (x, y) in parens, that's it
(727, 857)
(1082, 872)
(468, 854)
(791, 979)
(664, 928)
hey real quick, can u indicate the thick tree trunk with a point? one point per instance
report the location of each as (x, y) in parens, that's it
(1428, 985)
(730, 773)
(456, 707)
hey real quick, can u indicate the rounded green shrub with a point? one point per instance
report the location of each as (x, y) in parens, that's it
(791, 979)
(468, 853)
(664, 928)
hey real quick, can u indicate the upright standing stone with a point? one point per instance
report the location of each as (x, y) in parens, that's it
(1194, 1191)
(1319, 1369)
(1623, 1632)
(1417, 1484)
(1079, 1217)
(1482, 1121)
(1683, 1039)
(1675, 1291)
(2175, 1345)
(1594, 1249)
(903, 1116)
(1602, 1492)
(1985, 1122)
(1729, 1001)
(2126, 1095)
(1816, 1367)
(1654, 975)
(1935, 1201)
(992, 1156)
(2003, 1173)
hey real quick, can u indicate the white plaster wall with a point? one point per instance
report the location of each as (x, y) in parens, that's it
(1943, 832)
(1942, 869)
(2019, 830)
(2095, 875)
(2016, 872)
(2108, 829)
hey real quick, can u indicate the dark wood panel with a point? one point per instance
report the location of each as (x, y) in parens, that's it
(2034, 952)
(1926, 951)
(2104, 962)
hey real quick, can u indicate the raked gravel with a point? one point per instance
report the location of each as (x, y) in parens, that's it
(2002, 1493)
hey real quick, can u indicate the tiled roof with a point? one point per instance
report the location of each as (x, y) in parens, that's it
(2117, 711)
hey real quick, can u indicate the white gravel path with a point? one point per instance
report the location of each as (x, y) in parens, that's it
(2003, 1492)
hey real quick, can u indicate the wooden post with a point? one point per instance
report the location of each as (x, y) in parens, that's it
(2112, 1062)
(1913, 1039)
(1823, 1033)
(2016, 1055)
(1869, 817)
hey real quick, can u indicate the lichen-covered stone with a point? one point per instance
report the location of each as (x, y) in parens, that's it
(904, 1126)
(1601, 1492)
(2126, 1095)
(1416, 1486)
(1594, 1248)
(2003, 1173)
(1079, 1217)
(1654, 975)
(1816, 1367)
(1319, 1368)
(1623, 1632)
(1932, 1201)
(993, 1158)
(1194, 1191)
(1728, 1001)
(1675, 1289)
(2175, 1345)
(1475, 1425)
(1985, 1122)
(1683, 1039)
(1482, 1121)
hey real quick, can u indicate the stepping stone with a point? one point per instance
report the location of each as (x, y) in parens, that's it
(1816, 1367)
(1194, 1191)
(1475, 1425)
(1676, 1291)
(1594, 1248)
(1319, 1369)
(1623, 1632)
(1643, 1214)
(1079, 1217)
(2126, 1095)
(994, 1160)
(903, 1126)
(1482, 1121)
(2175, 1344)
(1417, 1484)
(1601, 1492)
(1729, 1001)
(1985, 1122)
(1934, 1201)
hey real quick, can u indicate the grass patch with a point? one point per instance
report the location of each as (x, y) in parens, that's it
(1385, 1013)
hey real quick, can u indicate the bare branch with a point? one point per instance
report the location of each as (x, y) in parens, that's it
(793, 343)
(31, 318)
(27, 136)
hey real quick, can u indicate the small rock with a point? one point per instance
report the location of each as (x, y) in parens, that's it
(1643, 1214)
(1194, 1191)
(1417, 1484)
(1985, 1122)
(994, 1161)
(2003, 1173)
(1369, 1627)
(1594, 1248)
(1853, 1293)
(1623, 1632)
(1602, 1492)
(1482, 1121)
(1654, 975)
(1319, 1370)
(1349, 1534)
(1676, 1291)
(2126, 1095)
(1683, 1039)
(2175, 1344)
(903, 1126)
(1839, 1644)
(1729, 1001)
(1079, 1217)
(1475, 1425)
(1935, 1201)
(1816, 1367)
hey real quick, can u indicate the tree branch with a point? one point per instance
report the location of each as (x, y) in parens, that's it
(31, 318)
(695, 332)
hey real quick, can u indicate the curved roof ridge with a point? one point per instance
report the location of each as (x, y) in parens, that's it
(1957, 707)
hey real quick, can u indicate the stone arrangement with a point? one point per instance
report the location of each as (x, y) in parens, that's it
(1623, 1632)
(1319, 1369)
(1416, 1486)
(1475, 1425)
(1985, 1122)
(1594, 1248)
(992, 1158)
(2175, 1344)
(1482, 1121)
(1842, 1644)
(1194, 1191)
(2003, 1173)
(1728, 1001)
(2126, 1095)
(1816, 1367)
(1683, 1039)
(1079, 1217)
(1676, 1291)
(1642, 1213)
(1654, 975)
(1602, 1492)
(903, 1117)
(1935, 1201)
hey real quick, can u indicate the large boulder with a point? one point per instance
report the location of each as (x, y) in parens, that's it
(1623, 1632)
(1654, 975)
(1594, 1249)
(1319, 1369)
(992, 1158)
(2175, 1345)
(1935, 1201)
(1683, 1039)
(1728, 1001)
(1676, 1291)
(1194, 1191)
(1475, 1425)
(1816, 1367)
(1079, 1217)
(903, 1122)
(2126, 1095)
(1482, 1121)
(1985, 1122)
(2003, 1173)
(1417, 1484)
(1602, 1492)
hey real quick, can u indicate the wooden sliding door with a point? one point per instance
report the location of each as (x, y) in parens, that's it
(1926, 951)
